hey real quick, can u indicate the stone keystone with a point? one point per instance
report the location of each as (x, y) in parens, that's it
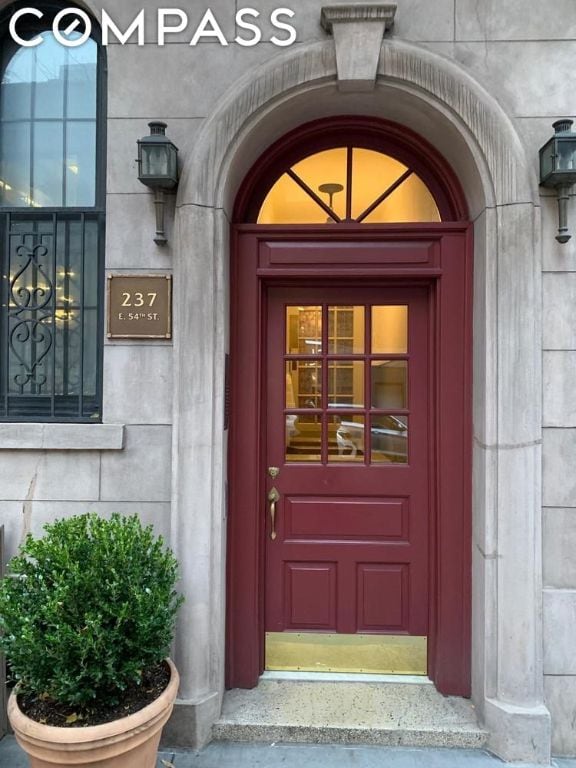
(358, 31)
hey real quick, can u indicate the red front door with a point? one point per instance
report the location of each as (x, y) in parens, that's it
(350, 375)
(347, 455)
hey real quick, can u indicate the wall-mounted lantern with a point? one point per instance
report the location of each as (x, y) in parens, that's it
(158, 169)
(558, 170)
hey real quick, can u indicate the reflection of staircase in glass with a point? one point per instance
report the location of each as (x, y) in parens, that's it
(306, 443)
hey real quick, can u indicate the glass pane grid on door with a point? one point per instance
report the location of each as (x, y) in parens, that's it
(346, 400)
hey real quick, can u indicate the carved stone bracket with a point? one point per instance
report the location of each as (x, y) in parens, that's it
(358, 31)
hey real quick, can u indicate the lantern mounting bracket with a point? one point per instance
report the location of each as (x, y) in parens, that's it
(158, 170)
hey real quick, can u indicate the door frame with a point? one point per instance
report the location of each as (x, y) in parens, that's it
(442, 260)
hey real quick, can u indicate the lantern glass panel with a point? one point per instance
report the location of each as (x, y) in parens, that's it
(566, 154)
(155, 161)
(547, 159)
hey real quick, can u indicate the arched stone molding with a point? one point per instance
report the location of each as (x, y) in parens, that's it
(442, 102)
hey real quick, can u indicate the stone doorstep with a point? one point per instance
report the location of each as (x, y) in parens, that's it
(392, 737)
(384, 714)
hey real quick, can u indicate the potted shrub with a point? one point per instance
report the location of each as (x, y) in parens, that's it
(87, 617)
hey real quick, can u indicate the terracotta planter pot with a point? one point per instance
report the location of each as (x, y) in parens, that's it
(131, 742)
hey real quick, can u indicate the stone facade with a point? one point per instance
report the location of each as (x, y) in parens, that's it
(482, 81)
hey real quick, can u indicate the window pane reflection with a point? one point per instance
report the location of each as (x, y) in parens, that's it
(345, 384)
(15, 164)
(303, 330)
(346, 330)
(303, 438)
(82, 82)
(303, 384)
(50, 64)
(389, 384)
(80, 163)
(48, 125)
(389, 439)
(16, 91)
(390, 330)
(48, 170)
(346, 438)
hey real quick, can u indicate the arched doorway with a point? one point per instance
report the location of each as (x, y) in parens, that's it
(439, 99)
(350, 438)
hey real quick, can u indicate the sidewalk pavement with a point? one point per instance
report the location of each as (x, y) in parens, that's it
(249, 755)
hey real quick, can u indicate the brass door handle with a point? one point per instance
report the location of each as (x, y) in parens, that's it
(273, 497)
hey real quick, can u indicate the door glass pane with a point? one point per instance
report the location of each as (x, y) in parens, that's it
(389, 440)
(303, 330)
(390, 330)
(346, 438)
(303, 437)
(389, 384)
(345, 384)
(303, 384)
(346, 330)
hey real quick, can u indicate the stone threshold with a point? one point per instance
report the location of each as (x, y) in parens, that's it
(354, 713)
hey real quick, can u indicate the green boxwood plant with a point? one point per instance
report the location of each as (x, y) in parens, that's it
(87, 607)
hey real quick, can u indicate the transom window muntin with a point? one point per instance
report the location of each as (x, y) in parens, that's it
(348, 184)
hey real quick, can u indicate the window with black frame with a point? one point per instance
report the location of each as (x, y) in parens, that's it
(51, 226)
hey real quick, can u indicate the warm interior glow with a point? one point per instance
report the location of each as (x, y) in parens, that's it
(372, 174)
(390, 330)
(412, 201)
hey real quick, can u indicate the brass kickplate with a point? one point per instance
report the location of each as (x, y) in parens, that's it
(369, 654)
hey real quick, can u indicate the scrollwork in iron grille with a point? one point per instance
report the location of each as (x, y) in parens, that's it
(31, 313)
(50, 319)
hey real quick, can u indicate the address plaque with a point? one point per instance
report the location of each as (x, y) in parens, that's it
(139, 307)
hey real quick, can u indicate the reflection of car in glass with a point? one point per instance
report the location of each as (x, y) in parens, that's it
(389, 438)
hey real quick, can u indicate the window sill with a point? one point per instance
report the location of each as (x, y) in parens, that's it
(61, 437)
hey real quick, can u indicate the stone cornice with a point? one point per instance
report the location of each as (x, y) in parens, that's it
(347, 13)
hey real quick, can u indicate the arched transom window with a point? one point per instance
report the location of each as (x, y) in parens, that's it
(348, 184)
